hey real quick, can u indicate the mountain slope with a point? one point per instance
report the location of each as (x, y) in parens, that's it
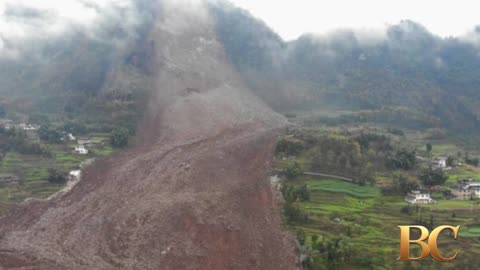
(194, 194)
(406, 68)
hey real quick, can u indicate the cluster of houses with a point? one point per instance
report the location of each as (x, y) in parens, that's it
(442, 163)
(9, 124)
(80, 149)
(468, 190)
(83, 143)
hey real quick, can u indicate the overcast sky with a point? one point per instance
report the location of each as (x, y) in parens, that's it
(30, 19)
(291, 18)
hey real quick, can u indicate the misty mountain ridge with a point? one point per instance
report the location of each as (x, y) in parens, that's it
(429, 80)
(406, 68)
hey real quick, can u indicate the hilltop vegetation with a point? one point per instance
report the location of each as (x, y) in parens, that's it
(353, 225)
(406, 75)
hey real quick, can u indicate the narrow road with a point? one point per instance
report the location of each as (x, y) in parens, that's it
(327, 175)
(330, 176)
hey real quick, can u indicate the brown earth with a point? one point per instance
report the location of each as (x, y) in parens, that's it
(194, 193)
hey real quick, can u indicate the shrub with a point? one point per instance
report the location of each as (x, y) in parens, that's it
(292, 170)
(119, 137)
(49, 134)
(56, 177)
(432, 177)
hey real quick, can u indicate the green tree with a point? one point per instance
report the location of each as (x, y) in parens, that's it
(119, 137)
(56, 177)
(3, 112)
(314, 240)
(432, 177)
(303, 193)
(429, 148)
(50, 134)
(367, 173)
(292, 170)
(337, 251)
(301, 236)
(450, 161)
(404, 183)
(74, 127)
(403, 159)
(289, 147)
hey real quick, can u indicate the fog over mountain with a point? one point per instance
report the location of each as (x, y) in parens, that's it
(406, 68)
(207, 84)
(28, 25)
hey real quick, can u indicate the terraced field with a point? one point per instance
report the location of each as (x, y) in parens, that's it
(369, 220)
(32, 171)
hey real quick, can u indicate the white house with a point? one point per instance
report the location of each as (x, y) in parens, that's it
(469, 190)
(81, 150)
(71, 137)
(75, 174)
(417, 197)
(28, 127)
(6, 123)
(440, 163)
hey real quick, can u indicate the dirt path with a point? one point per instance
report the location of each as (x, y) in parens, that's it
(330, 176)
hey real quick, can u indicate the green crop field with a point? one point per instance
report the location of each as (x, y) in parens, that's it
(369, 220)
(460, 174)
(361, 192)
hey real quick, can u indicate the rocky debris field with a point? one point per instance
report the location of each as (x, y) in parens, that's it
(193, 194)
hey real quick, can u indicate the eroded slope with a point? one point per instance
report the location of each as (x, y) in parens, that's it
(192, 195)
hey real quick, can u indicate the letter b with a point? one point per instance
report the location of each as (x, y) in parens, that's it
(405, 243)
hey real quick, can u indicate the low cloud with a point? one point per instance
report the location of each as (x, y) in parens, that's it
(27, 24)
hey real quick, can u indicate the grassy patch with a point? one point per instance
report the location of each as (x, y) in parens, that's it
(445, 149)
(335, 186)
(461, 173)
(103, 152)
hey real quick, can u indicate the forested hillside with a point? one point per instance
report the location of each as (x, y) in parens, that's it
(424, 79)
(94, 73)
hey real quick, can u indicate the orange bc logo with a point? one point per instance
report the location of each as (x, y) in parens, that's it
(429, 248)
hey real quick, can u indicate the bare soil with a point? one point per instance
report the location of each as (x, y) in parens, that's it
(193, 194)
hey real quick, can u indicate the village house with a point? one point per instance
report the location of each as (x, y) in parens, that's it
(75, 175)
(468, 190)
(71, 137)
(440, 162)
(417, 197)
(89, 142)
(81, 150)
(28, 127)
(6, 123)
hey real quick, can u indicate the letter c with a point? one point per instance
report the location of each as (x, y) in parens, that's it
(433, 243)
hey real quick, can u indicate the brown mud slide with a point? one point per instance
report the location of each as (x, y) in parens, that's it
(194, 193)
